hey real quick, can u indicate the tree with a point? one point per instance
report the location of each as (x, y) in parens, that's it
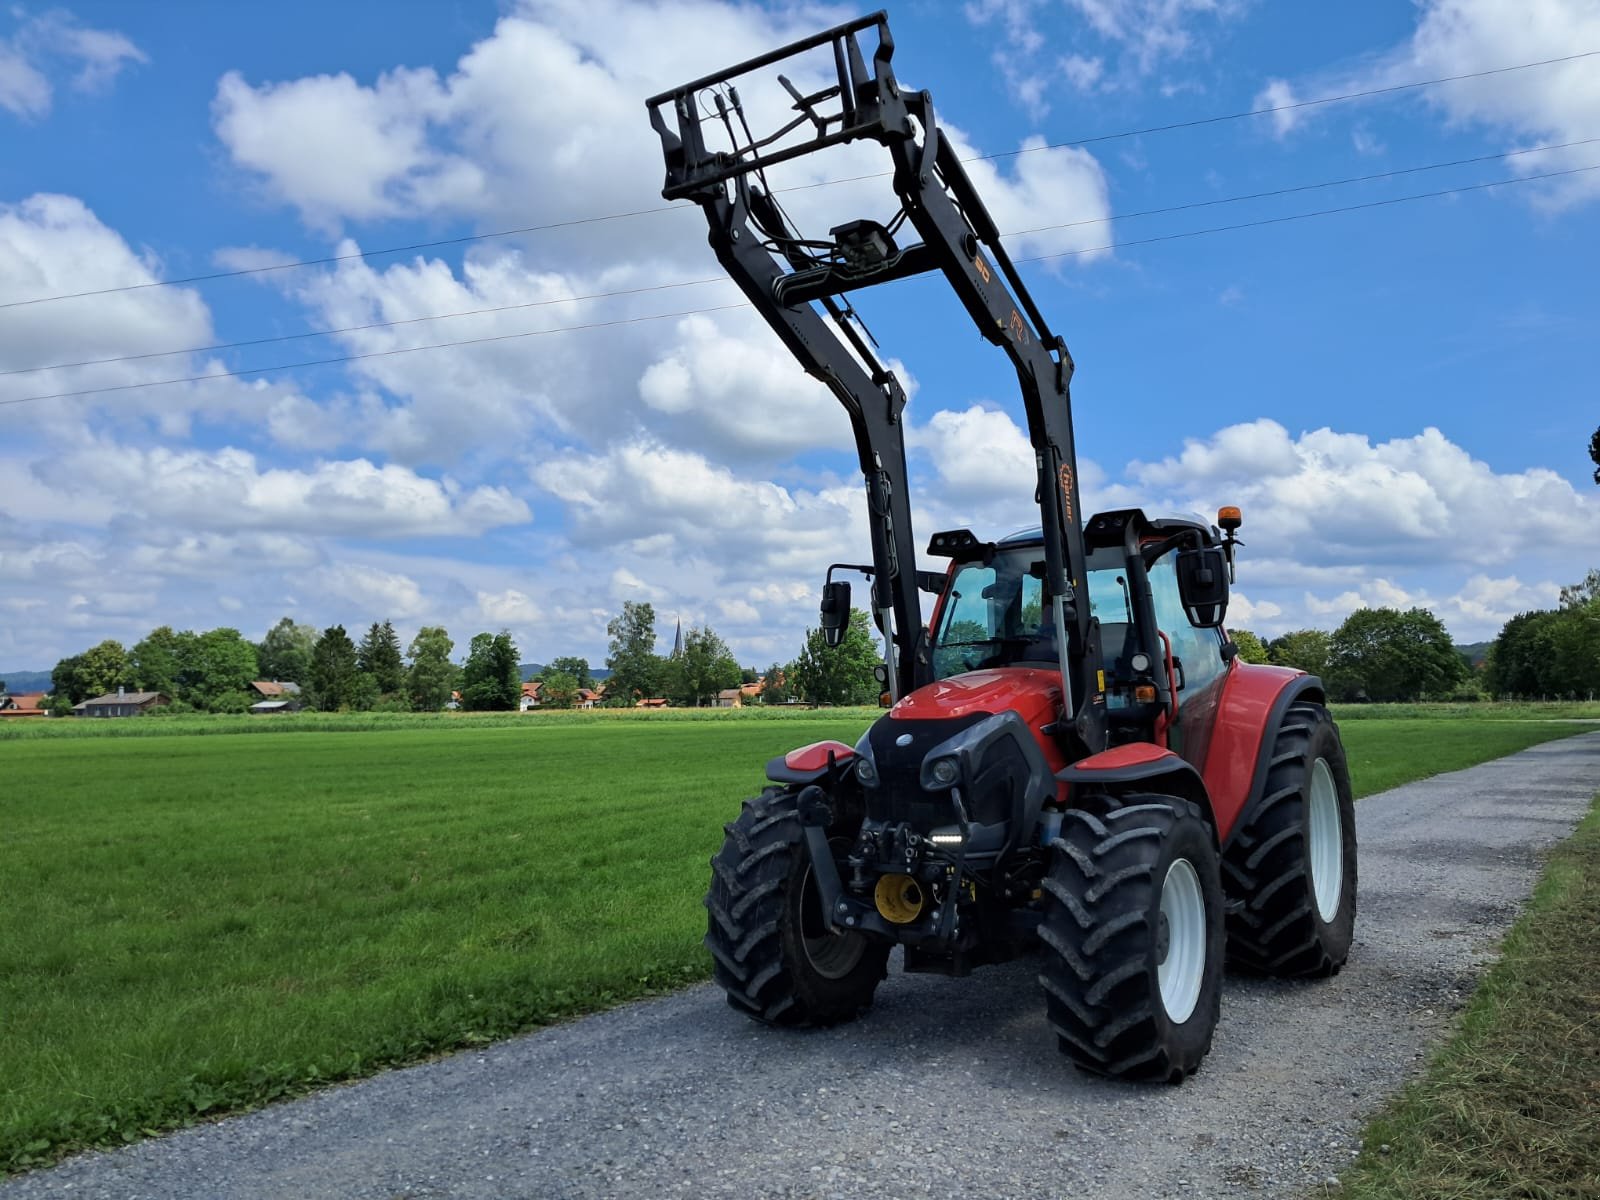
(1522, 660)
(66, 682)
(843, 674)
(578, 668)
(492, 679)
(1251, 649)
(1594, 453)
(1304, 649)
(157, 661)
(560, 690)
(364, 693)
(379, 656)
(775, 687)
(333, 669)
(636, 669)
(432, 676)
(703, 669)
(285, 653)
(1583, 593)
(214, 664)
(1384, 654)
(1550, 653)
(98, 670)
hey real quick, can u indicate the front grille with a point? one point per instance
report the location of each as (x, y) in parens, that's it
(900, 795)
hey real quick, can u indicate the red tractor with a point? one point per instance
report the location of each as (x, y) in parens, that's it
(1076, 761)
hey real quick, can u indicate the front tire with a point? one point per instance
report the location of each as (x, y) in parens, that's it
(772, 951)
(1292, 866)
(1133, 939)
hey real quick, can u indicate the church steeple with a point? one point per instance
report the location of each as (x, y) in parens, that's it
(677, 641)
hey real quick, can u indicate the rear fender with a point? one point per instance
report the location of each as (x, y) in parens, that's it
(810, 764)
(1254, 702)
(1141, 766)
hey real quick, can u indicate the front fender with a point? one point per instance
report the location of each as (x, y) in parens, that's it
(1146, 764)
(808, 764)
(1253, 703)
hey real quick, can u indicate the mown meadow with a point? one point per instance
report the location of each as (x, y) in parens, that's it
(200, 918)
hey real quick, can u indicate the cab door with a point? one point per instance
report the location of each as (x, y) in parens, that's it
(1199, 666)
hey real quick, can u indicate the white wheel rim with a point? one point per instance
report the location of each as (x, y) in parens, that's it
(1181, 971)
(1326, 833)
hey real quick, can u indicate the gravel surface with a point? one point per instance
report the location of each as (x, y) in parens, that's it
(948, 1086)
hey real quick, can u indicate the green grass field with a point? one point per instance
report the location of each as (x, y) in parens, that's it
(199, 922)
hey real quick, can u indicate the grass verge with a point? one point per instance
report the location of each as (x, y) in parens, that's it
(1510, 1108)
(200, 924)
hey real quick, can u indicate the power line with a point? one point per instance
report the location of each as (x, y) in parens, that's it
(1304, 187)
(504, 337)
(642, 212)
(346, 358)
(476, 312)
(1324, 212)
(312, 333)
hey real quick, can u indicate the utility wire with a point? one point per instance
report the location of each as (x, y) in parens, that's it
(476, 312)
(1324, 212)
(345, 358)
(313, 333)
(576, 221)
(504, 337)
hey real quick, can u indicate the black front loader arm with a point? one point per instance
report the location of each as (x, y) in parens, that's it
(786, 278)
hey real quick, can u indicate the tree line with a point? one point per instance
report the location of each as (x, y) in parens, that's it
(1552, 653)
(704, 666)
(213, 671)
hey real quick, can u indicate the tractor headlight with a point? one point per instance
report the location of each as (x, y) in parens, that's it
(866, 769)
(944, 772)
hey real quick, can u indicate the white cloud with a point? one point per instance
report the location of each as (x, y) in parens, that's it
(541, 122)
(1280, 95)
(739, 394)
(41, 44)
(372, 590)
(1139, 37)
(24, 91)
(226, 490)
(1328, 498)
(977, 454)
(1542, 105)
(1083, 73)
(53, 245)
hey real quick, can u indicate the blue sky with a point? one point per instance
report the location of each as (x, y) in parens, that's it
(1398, 397)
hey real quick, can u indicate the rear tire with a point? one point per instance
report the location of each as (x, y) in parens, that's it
(1292, 868)
(772, 952)
(1133, 939)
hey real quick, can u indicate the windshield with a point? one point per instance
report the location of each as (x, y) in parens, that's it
(994, 616)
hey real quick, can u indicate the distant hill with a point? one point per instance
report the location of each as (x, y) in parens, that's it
(1474, 652)
(18, 682)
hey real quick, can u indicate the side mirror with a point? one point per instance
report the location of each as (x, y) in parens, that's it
(835, 611)
(1203, 585)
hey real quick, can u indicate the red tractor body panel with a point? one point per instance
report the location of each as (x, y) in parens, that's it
(1242, 725)
(1033, 693)
(815, 756)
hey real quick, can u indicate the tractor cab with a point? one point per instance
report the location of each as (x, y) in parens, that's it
(1157, 591)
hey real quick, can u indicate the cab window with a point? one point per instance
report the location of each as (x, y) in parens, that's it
(994, 616)
(1199, 650)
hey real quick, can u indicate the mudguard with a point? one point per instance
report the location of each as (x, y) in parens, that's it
(807, 764)
(1145, 763)
(1254, 701)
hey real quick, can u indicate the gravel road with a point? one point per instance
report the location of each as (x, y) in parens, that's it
(947, 1087)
